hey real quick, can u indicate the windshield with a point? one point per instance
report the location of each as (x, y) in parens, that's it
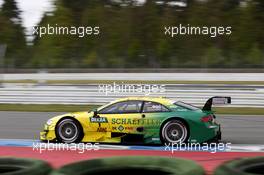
(186, 105)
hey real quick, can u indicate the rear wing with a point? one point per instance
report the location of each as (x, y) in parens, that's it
(216, 101)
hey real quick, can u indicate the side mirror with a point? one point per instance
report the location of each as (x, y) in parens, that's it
(95, 113)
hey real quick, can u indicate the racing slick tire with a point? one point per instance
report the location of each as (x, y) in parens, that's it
(174, 131)
(69, 131)
(242, 166)
(22, 166)
(131, 165)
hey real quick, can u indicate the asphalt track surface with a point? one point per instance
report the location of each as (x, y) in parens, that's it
(236, 129)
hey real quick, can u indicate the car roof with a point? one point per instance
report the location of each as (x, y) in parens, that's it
(162, 100)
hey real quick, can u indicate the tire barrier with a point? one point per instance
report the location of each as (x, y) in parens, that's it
(133, 165)
(243, 166)
(22, 166)
(147, 165)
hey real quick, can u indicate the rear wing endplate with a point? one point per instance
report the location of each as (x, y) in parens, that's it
(216, 101)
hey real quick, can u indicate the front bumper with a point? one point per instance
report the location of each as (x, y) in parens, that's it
(47, 134)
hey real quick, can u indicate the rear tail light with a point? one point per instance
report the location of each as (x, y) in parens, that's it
(208, 118)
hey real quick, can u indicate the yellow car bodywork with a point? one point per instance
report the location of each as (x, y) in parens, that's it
(95, 132)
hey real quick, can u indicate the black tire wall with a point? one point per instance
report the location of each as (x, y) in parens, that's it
(22, 166)
(133, 165)
(243, 166)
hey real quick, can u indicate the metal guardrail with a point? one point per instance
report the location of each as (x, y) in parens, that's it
(242, 96)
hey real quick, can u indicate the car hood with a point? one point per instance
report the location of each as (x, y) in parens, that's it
(71, 114)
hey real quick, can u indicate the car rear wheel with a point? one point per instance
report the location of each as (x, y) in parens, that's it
(69, 131)
(174, 131)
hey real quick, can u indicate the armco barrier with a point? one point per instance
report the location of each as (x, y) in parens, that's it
(242, 96)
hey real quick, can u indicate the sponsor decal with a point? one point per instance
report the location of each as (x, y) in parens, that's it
(125, 121)
(120, 128)
(101, 129)
(129, 128)
(98, 120)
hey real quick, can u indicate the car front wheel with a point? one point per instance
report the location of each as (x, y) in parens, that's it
(69, 131)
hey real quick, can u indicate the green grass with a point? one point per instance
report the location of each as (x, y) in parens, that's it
(72, 108)
(239, 111)
(136, 82)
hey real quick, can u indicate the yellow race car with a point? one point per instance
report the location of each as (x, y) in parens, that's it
(137, 120)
